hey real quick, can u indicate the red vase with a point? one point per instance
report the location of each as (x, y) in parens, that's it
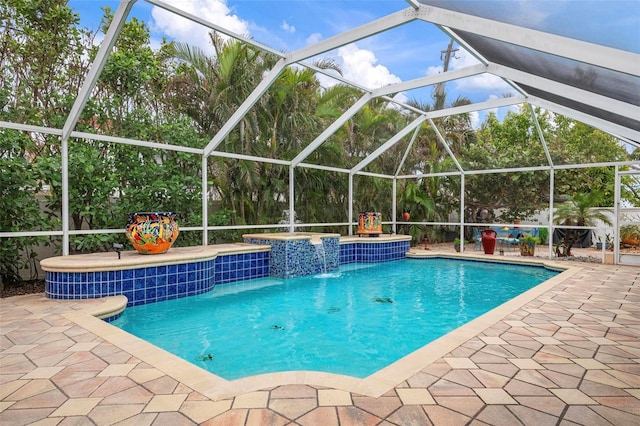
(489, 240)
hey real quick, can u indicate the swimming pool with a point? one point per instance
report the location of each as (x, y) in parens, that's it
(353, 322)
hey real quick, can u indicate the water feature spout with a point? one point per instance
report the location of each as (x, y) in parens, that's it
(320, 255)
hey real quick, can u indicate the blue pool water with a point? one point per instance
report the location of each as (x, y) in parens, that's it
(354, 322)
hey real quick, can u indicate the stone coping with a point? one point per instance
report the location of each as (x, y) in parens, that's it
(96, 262)
(382, 238)
(529, 261)
(375, 385)
(287, 236)
(111, 306)
(99, 308)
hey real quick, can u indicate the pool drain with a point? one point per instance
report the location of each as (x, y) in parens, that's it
(333, 310)
(277, 327)
(383, 300)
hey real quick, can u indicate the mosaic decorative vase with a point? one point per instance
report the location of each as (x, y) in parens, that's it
(370, 223)
(527, 248)
(152, 232)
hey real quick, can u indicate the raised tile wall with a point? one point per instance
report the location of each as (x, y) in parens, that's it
(300, 257)
(287, 259)
(158, 283)
(367, 252)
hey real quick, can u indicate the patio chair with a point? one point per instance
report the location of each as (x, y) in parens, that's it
(506, 238)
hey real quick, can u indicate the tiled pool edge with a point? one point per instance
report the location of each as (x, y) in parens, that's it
(151, 283)
(371, 251)
(191, 271)
(375, 385)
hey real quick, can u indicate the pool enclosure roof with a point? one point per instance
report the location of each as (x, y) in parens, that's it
(586, 80)
(592, 81)
(567, 70)
(583, 79)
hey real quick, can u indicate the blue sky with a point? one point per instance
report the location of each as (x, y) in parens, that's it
(405, 53)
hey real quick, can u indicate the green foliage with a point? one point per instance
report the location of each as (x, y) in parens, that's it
(20, 186)
(41, 67)
(178, 95)
(415, 199)
(630, 184)
(576, 142)
(513, 142)
(530, 239)
(41, 60)
(224, 217)
(630, 234)
(578, 210)
(543, 234)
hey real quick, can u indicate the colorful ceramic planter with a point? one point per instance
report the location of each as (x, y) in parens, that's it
(370, 223)
(527, 248)
(152, 232)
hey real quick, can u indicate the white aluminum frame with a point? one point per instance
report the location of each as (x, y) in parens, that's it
(449, 22)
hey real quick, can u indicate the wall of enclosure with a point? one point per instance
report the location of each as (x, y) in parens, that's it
(377, 172)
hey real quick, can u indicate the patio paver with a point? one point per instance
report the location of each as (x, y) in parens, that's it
(569, 356)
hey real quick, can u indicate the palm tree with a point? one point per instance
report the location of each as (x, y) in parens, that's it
(434, 198)
(579, 210)
(209, 89)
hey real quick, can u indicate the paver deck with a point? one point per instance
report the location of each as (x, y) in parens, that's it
(569, 356)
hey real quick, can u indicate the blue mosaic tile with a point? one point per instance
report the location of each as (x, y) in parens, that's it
(286, 259)
(149, 281)
(139, 296)
(295, 258)
(127, 285)
(113, 317)
(364, 252)
(150, 293)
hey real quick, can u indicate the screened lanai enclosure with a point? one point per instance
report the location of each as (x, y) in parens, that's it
(238, 134)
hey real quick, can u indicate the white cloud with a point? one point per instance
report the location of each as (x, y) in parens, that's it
(313, 38)
(474, 117)
(326, 81)
(492, 110)
(499, 112)
(479, 82)
(360, 65)
(434, 70)
(401, 97)
(215, 11)
(288, 28)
